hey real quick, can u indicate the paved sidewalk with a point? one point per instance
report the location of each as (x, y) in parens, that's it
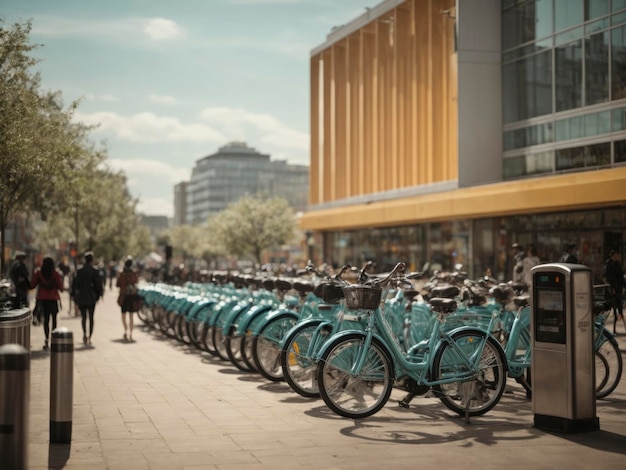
(157, 404)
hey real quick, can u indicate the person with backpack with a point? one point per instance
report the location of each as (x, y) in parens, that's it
(49, 284)
(86, 291)
(128, 298)
(614, 276)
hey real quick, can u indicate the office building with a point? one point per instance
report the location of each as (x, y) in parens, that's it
(444, 131)
(237, 170)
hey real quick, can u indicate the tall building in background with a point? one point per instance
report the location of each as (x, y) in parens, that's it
(237, 170)
(443, 131)
(180, 203)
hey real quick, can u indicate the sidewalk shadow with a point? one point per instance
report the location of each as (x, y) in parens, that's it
(58, 455)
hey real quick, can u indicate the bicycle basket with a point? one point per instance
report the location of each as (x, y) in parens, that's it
(362, 297)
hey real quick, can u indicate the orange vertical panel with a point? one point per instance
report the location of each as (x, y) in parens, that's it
(368, 50)
(327, 127)
(314, 169)
(340, 109)
(356, 138)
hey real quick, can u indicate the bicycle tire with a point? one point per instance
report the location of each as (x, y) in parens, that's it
(602, 371)
(266, 346)
(349, 396)
(488, 386)
(143, 314)
(206, 340)
(233, 350)
(300, 370)
(613, 356)
(218, 342)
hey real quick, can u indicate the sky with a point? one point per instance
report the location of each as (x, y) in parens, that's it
(169, 82)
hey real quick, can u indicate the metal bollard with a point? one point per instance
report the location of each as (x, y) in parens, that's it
(61, 385)
(14, 400)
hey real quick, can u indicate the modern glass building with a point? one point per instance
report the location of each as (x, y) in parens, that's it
(237, 170)
(444, 131)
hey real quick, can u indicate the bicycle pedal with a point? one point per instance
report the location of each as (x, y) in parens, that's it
(403, 404)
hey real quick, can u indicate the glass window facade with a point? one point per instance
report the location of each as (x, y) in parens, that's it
(483, 244)
(562, 60)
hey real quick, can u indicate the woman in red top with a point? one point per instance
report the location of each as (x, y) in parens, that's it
(50, 284)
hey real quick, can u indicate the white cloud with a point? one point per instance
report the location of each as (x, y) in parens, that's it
(256, 127)
(127, 30)
(150, 128)
(162, 28)
(146, 177)
(105, 97)
(215, 126)
(142, 167)
(162, 99)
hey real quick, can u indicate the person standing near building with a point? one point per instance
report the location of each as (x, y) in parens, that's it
(530, 261)
(128, 297)
(518, 263)
(20, 278)
(614, 276)
(49, 283)
(570, 254)
(87, 290)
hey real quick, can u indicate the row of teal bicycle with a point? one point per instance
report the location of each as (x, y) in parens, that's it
(351, 342)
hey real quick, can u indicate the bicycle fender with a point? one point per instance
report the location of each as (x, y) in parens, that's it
(235, 314)
(250, 316)
(343, 334)
(302, 325)
(270, 315)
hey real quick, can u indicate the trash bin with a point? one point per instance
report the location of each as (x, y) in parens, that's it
(15, 327)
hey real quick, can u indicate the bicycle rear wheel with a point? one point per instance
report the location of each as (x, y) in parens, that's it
(299, 368)
(609, 349)
(477, 395)
(352, 396)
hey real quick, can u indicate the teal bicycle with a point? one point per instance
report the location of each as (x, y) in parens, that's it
(465, 366)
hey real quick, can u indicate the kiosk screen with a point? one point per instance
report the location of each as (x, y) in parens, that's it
(550, 316)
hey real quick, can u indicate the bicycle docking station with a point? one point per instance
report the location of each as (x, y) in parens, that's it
(563, 362)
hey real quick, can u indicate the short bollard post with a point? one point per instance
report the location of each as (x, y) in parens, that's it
(61, 385)
(14, 400)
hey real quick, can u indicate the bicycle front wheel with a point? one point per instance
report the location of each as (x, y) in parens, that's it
(353, 396)
(482, 392)
(609, 350)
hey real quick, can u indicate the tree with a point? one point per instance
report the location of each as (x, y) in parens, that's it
(251, 225)
(33, 131)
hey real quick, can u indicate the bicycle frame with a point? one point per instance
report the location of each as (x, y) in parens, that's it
(410, 364)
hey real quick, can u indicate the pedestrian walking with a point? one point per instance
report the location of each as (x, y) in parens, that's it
(614, 276)
(530, 261)
(20, 279)
(570, 255)
(49, 284)
(128, 298)
(87, 290)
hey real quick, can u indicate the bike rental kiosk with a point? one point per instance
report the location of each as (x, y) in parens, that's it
(563, 362)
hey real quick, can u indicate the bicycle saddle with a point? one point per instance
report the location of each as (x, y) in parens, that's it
(442, 305)
(446, 292)
(303, 287)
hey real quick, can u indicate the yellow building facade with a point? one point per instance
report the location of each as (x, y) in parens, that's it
(416, 155)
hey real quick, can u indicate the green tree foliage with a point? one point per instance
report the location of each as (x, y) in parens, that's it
(33, 128)
(253, 224)
(49, 166)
